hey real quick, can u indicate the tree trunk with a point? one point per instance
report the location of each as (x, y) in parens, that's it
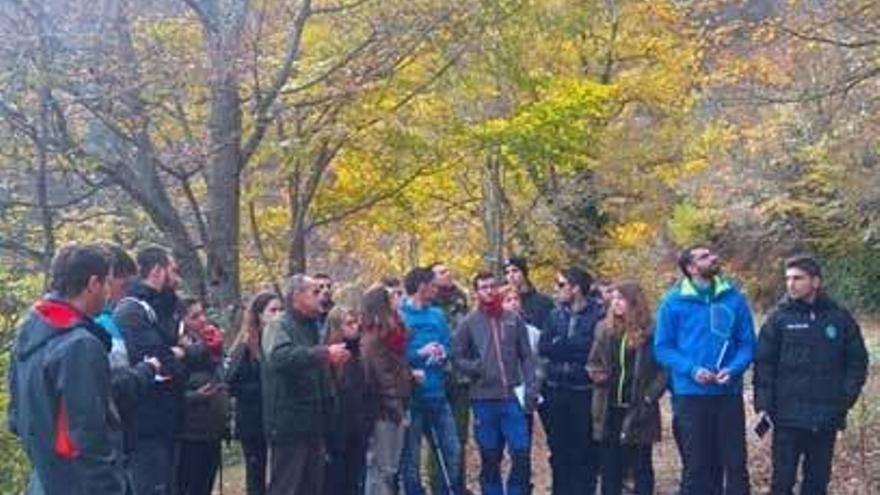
(222, 173)
(493, 213)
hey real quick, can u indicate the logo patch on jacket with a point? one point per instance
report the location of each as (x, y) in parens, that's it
(831, 332)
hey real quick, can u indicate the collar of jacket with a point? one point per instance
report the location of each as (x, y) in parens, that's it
(821, 304)
(687, 288)
(62, 316)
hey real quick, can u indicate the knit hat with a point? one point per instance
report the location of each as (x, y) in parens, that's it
(520, 263)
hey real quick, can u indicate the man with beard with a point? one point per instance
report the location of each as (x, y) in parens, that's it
(60, 405)
(452, 300)
(705, 338)
(148, 318)
(492, 347)
(810, 367)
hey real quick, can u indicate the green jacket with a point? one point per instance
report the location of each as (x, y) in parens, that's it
(297, 391)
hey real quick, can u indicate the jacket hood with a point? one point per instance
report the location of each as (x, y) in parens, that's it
(686, 289)
(52, 317)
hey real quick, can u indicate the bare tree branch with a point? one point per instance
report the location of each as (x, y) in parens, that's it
(342, 7)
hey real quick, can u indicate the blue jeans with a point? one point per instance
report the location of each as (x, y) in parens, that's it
(431, 418)
(496, 423)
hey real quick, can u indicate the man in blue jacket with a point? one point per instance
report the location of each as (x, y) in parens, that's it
(60, 404)
(427, 350)
(705, 337)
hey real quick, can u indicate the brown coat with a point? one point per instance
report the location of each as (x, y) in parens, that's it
(389, 380)
(641, 424)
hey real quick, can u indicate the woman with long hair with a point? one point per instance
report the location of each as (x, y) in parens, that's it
(629, 384)
(347, 436)
(244, 384)
(390, 382)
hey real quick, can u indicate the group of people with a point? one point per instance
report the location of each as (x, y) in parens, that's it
(119, 385)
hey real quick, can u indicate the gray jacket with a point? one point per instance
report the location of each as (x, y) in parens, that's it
(497, 354)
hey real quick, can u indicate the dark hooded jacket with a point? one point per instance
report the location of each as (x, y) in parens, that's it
(298, 398)
(566, 345)
(810, 364)
(61, 405)
(152, 332)
(536, 308)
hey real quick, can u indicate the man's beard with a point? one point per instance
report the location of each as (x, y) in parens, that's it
(710, 272)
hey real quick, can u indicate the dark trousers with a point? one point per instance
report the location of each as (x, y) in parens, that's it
(345, 471)
(297, 468)
(256, 454)
(817, 451)
(712, 433)
(618, 459)
(151, 466)
(573, 452)
(197, 464)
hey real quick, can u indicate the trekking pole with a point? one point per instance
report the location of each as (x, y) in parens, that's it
(441, 460)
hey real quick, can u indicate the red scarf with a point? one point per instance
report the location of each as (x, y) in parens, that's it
(212, 337)
(493, 307)
(396, 339)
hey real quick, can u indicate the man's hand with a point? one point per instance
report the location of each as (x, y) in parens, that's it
(418, 376)
(597, 375)
(207, 390)
(723, 377)
(337, 354)
(178, 352)
(154, 363)
(704, 376)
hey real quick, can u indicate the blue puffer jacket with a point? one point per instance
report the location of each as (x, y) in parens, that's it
(427, 325)
(715, 331)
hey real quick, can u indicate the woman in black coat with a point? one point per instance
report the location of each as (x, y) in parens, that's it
(244, 385)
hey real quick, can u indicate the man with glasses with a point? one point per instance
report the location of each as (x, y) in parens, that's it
(565, 344)
(705, 337)
(492, 347)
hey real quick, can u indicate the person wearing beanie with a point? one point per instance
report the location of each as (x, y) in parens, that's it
(536, 306)
(492, 347)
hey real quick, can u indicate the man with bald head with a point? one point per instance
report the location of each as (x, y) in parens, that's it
(297, 390)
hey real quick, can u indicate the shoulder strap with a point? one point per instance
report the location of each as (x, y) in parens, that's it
(151, 313)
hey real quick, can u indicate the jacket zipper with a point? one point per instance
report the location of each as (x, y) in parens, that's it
(496, 336)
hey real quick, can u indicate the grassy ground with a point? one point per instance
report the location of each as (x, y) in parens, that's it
(856, 464)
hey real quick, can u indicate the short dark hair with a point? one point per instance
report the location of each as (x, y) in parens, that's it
(579, 277)
(806, 263)
(189, 301)
(322, 275)
(121, 263)
(686, 257)
(150, 257)
(416, 277)
(390, 282)
(481, 275)
(75, 265)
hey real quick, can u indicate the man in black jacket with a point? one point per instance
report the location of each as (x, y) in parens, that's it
(536, 305)
(566, 344)
(60, 404)
(810, 367)
(297, 392)
(148, 318)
